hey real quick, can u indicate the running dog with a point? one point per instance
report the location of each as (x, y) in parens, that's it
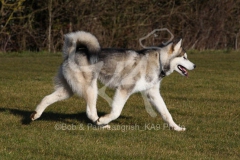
(125, 70)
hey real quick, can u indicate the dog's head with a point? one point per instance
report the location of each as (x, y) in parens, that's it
(173, 57)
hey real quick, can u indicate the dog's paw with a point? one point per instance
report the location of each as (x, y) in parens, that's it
(105, 126)
(98, 122)
(175, 127)
(34, 116)
(179, 129)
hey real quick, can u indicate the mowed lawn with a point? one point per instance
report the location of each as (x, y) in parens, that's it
(206, 103)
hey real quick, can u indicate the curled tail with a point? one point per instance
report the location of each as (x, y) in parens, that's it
(81, 39)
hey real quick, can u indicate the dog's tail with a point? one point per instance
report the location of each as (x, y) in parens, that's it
(81, 39)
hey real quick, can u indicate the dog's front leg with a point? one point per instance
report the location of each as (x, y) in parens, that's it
(119, 100)
(156, 100)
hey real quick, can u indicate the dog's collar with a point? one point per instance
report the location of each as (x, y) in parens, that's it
(162, 74)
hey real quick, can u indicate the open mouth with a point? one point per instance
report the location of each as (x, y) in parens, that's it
(183, 70)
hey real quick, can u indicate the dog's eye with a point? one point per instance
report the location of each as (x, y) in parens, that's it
(184, 58)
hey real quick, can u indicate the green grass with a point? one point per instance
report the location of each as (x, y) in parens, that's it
(206, 103)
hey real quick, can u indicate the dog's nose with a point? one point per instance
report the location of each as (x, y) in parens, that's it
(194, 66)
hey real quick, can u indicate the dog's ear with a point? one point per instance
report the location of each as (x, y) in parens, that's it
(169, 47)
(178, 45)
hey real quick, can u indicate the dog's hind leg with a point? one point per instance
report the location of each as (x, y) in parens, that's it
(156, 100)
(119, 100)
(59, 94)
(90, 96)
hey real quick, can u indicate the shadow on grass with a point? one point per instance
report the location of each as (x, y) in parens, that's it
(46, 116)
(51, 116)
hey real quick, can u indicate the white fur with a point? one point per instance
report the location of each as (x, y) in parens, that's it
(181, 61)
(142, 85)
(156, 100)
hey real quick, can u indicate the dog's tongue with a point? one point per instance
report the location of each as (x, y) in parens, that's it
(184, 71)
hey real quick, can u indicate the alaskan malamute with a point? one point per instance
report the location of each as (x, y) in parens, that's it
(126, 70)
